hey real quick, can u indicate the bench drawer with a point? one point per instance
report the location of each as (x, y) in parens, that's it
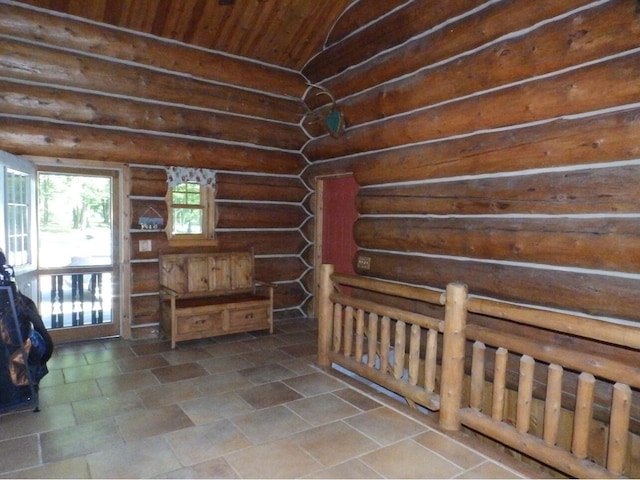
(211, 321)
(257, 316)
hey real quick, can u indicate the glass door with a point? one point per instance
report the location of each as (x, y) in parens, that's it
(18, 219)
(77, 252)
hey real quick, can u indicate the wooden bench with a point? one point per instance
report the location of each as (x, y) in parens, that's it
(207, 294)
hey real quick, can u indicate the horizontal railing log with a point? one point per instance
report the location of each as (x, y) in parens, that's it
(561, 322)
(533, 447)
(389, 288)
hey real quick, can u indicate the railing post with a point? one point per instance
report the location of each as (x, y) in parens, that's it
(325, 315)
(453, 350)
(619, 427)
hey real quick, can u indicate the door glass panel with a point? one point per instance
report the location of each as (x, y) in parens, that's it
(74, 220)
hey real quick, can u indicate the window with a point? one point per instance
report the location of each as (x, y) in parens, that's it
(190, 202)
(191, 212)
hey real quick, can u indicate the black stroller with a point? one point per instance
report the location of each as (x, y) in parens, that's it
(25, 344)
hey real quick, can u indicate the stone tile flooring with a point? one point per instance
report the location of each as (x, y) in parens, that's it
(242, 406)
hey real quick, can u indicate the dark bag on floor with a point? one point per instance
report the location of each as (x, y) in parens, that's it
(25, 343)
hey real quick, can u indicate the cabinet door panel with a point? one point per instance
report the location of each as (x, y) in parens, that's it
(198, 273)
(220, 273)
(242, 269)
(173, 273)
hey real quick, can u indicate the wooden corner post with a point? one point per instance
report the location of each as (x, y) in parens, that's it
(455, 319)
(325, 315)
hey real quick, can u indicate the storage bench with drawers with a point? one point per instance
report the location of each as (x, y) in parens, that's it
(207, 294)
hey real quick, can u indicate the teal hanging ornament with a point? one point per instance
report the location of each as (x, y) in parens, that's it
(334, 120)
(335, 123)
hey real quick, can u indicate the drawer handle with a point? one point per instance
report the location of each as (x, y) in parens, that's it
(249, 315)
(199, 322)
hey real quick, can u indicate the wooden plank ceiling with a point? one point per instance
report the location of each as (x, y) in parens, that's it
(279, 32)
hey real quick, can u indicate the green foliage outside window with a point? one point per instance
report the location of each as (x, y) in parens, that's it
(187, 209)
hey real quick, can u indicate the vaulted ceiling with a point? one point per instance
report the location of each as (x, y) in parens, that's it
(280, 32)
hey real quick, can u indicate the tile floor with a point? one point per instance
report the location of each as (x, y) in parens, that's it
(243, 406)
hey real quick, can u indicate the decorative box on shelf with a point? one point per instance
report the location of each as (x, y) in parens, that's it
(151, 220)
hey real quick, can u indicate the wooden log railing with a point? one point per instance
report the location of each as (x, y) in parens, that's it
(537, 394)
(370, 339)
(489, 417)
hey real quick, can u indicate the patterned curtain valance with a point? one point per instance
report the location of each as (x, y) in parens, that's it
(203, 176)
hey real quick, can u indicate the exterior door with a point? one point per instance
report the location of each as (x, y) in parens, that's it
(78, 275)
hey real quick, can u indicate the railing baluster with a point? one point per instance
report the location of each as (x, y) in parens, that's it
(359, 334)
(96, 298)
(619, 427)
(372, 340)
(477, 376)
(430, 360)
(414, 355)
(499, 384)
(337, 327)
(399, 349)
(57, 301)
(525, 393)
(77, 299)
(385, 342)
(348, 331)
(553, 404)
(582, 416)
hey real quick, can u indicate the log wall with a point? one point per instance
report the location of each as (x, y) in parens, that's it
(258, 212)
(76, 90)
(495, 143)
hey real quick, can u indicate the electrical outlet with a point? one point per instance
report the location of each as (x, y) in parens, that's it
(144, 245)
(364, 263)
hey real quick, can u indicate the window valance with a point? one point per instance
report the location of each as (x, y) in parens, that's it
(203, 176)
